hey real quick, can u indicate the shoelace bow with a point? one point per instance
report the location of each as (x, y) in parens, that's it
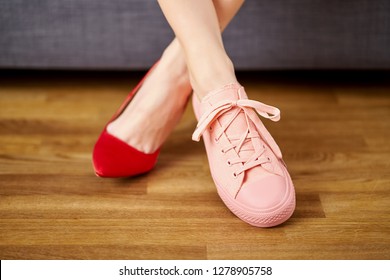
(247, 106)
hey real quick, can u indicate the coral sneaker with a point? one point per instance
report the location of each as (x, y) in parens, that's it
(114, 158)
(245, 161)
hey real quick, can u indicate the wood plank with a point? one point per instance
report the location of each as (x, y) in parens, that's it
(334, 134)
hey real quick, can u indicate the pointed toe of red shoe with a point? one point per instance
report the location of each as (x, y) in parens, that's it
(114, 158)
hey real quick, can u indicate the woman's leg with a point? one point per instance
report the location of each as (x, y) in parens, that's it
(196, 26)
(165, 91)
(245, 161)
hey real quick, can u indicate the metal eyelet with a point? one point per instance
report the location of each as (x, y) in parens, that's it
(268, 158)
(223, 151)
(235, 175)
(229, 163)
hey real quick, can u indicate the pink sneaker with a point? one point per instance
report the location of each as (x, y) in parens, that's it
(245, 162)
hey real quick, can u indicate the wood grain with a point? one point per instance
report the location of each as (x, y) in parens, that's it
(334, 135)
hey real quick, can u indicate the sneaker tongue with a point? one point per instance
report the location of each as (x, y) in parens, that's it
(239, 126)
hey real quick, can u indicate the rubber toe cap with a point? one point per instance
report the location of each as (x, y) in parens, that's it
(264, 193)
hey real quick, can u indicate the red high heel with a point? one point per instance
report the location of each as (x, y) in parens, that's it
(114, 158)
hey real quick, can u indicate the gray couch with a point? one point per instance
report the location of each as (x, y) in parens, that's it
(131, 34)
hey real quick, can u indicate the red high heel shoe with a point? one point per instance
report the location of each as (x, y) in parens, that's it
(114, 158)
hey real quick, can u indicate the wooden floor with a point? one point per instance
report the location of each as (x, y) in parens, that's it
(334, 134)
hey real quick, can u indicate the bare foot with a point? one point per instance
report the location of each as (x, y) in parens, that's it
(157, 106)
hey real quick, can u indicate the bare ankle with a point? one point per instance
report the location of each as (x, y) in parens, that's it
(214, 76)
